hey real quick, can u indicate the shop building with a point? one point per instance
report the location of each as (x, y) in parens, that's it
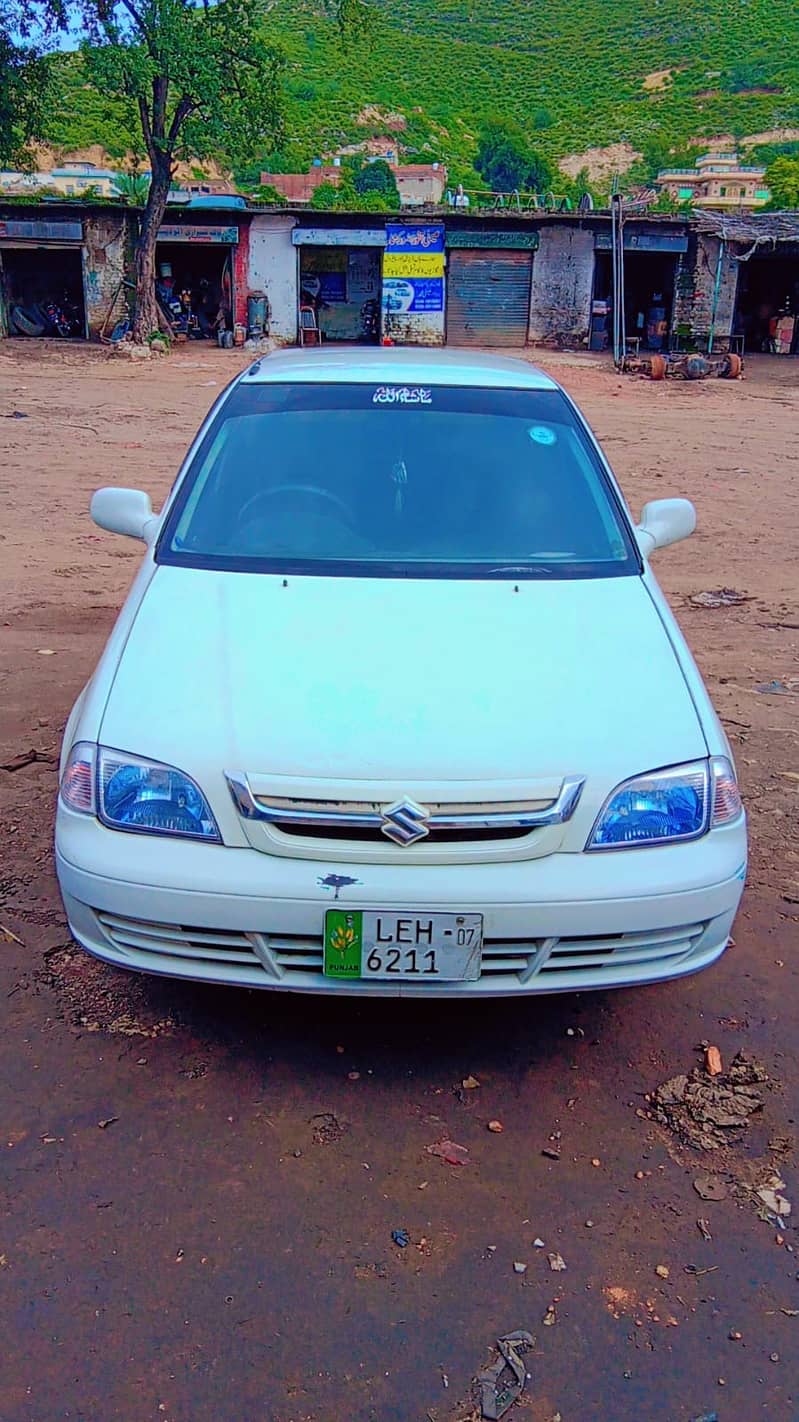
(745, 282)
(60, 268)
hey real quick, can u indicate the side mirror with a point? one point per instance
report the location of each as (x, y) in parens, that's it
(663, 522)
(127, 511)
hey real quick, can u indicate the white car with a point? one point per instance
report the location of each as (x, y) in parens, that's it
(395, 704)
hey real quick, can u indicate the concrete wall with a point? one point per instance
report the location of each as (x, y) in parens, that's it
(106, 247)
(273, 268)
(563, 278)
(696, 282)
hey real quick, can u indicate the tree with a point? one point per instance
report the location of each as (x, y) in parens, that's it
(132, 188)
(506, 162)
(377, 177)
(203, 78)
(325, 198)
(25, 85)
(782, 179)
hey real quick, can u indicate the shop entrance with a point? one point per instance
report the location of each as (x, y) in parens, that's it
(42, 290)
(194, 285)
(768, 303)
(342, 286)
(648, 297)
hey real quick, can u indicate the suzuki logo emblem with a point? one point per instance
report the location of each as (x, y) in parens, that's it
(405, 822)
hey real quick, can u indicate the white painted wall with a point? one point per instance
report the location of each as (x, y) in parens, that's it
(273, 269)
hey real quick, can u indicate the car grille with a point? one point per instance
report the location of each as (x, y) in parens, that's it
(300, 956)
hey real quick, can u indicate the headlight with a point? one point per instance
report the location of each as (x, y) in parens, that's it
(127, 792)
(668, 805)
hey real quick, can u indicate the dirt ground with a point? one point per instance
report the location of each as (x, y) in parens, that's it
(221, 1251)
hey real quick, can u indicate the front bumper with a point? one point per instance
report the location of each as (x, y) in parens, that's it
(565, 923)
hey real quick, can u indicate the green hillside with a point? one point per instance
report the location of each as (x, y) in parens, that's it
(573, 74)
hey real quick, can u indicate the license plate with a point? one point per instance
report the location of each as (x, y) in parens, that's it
(420, 947)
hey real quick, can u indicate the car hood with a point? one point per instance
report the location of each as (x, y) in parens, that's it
(403, 681)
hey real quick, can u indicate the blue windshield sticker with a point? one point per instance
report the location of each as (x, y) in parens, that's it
(542, 434)
(402, 395)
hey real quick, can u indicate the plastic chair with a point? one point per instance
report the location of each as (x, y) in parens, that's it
(310, 335)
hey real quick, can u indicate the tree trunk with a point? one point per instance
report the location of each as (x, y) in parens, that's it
(146, 319)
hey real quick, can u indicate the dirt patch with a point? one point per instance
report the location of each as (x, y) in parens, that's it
(371, 113)
(601, 163)
(706, 1112)
(770, 135)
(657, 81)
(99, 998)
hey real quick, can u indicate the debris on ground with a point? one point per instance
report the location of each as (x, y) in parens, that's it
(713, 1064)
(401, 1238)
(775, 1204)
(449, 1151)
(704, 1112)
(778, 688)
(518, 1267)
(719, 597)
(503, 1382)
(662, 1271)
(327, 1128)
(556, 1263)
(704, 1230)
(709, 1187)
(108, 1121)
(706, 1417)
(497, 1127)
(538, 1244)
(29, 757)
(735, 1335)
(550, 1316)
(9, 937)
(698, 1273)
(470, 1083)
(551, 1153)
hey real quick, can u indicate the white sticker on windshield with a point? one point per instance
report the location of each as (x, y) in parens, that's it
(542, 434)
(402, 395)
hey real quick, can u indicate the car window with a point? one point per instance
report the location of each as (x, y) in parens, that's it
(398, 481)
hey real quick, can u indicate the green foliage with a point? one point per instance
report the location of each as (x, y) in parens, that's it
(746, 76)
(506, 162)
(377, 177)
(264, 192)
(132, 188)
(25, 87)
(449, 66)
(782, 177)
(325, 198)
(542, 118)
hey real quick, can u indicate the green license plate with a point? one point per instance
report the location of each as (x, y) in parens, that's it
(389, 944)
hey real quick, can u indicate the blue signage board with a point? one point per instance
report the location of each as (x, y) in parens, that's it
(413, 267)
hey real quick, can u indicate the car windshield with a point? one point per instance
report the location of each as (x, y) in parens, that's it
(398, 481)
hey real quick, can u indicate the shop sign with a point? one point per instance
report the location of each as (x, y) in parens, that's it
(476, 237)
(646, 241)
(413, 268)
(338, 237)
(41, 231)
(182, 232)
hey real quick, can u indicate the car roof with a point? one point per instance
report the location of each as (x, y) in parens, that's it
(415, 365)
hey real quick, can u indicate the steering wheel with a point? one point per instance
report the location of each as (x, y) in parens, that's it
(303, 489)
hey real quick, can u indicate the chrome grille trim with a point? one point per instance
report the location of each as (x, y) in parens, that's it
(369, 815)
(300, 956)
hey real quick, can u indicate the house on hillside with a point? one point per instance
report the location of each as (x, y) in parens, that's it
(717, 180)
(72, 179)
(418, 183)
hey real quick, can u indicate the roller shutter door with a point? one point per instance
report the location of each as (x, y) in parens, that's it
(488, 297)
